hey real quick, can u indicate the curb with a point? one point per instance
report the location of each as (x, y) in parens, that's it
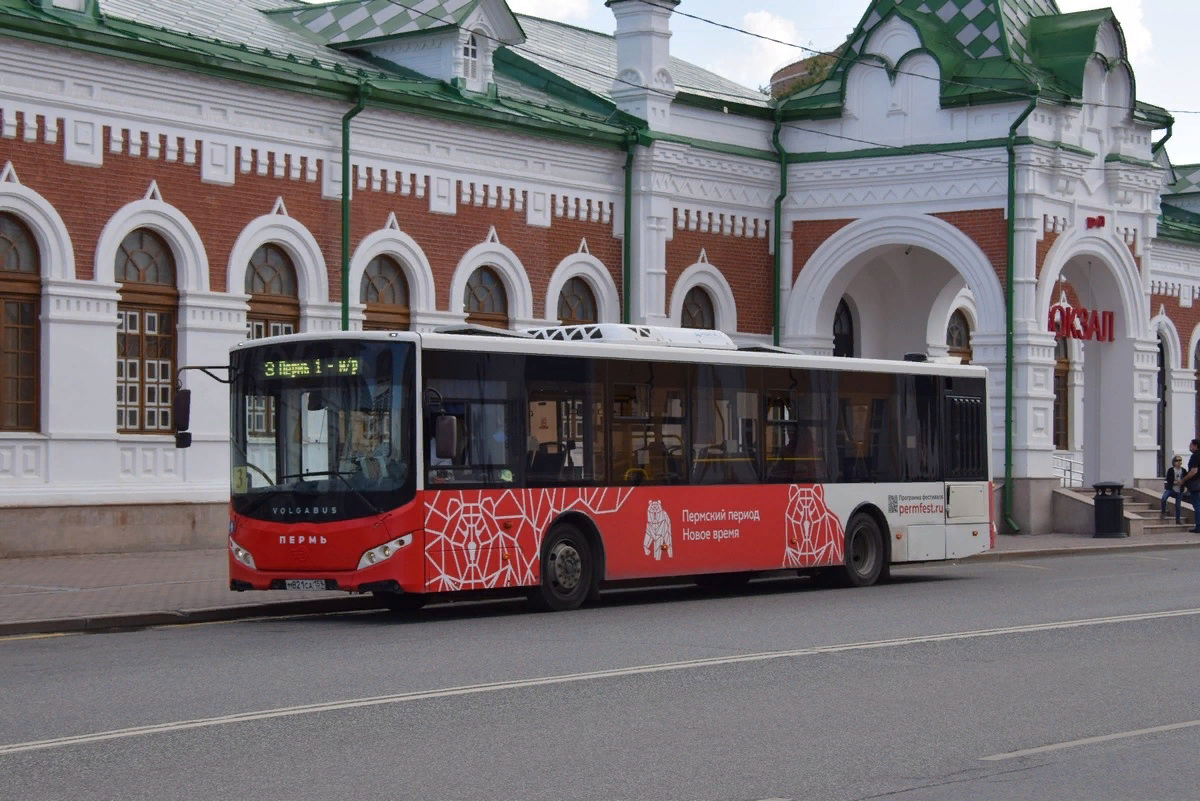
(358, 603)
(1077, 550)
(140, 620)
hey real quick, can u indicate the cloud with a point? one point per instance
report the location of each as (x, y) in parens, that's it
(561, 10)
(1133, 23)
(750, 61)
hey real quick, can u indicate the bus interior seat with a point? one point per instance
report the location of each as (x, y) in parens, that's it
(547, 459)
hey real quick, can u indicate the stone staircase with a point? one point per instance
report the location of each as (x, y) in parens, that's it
(1144, 504)
(1073, 512)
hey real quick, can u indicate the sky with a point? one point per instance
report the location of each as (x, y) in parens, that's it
(1160, 35)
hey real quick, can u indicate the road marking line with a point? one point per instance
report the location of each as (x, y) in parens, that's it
(1155, 558)
(14, 637)
(518, 684)
(1022, 564)
(1090, 740)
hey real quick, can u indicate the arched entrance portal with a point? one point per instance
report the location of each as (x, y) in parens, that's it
(1120, 362)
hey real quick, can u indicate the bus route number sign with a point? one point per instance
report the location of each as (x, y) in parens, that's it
(311, 368)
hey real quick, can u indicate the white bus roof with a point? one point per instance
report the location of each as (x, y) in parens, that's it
(519, 342)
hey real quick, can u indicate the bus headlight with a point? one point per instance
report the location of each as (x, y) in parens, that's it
(385, 551)
(241, 554)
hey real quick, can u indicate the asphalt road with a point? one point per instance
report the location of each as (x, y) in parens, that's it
(1067, 678)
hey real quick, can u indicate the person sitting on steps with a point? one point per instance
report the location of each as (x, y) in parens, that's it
(1173, 488)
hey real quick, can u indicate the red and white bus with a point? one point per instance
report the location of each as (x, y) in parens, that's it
(408, 465)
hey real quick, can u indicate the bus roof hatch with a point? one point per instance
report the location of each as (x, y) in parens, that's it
(636, 335)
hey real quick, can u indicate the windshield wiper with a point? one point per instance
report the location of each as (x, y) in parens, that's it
(366, 501)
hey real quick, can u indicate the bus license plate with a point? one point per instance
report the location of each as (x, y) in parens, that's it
(304, 584)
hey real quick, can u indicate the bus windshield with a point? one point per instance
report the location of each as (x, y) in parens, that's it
(322, 431)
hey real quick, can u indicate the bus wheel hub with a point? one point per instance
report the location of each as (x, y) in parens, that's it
(567, 566)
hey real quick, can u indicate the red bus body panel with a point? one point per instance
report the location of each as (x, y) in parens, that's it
(486, 539)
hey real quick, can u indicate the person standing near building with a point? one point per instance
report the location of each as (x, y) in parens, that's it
(1173, 487)
(1191, 483)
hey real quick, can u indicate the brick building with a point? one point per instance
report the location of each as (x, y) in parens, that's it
(171, 181)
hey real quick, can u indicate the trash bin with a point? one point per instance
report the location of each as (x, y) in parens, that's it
(1110, 509)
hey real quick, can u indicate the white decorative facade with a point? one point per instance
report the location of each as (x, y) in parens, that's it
(896, 209)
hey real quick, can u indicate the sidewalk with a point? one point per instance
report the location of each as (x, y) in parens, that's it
(94, 593)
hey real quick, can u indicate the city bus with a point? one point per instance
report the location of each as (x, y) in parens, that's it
(560, 460)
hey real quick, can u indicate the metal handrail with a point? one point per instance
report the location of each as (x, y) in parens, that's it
(1069, 471)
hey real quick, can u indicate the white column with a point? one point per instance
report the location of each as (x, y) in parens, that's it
(653, 227)
(1181, 412)
(1120, 410)
(210, 323)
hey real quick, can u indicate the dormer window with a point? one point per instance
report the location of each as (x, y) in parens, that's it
(471, 60)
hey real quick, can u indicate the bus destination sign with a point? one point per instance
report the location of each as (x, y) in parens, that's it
(311, 368)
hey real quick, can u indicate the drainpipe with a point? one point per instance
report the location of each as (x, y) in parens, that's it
(783, 190)
(627, 246)
(363, 90)
(1159, 144)
(1010, 316)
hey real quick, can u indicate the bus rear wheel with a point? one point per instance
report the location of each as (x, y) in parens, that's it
(400, 601)
(864, 552)
(568, 571)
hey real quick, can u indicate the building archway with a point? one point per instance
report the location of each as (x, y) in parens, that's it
(873, 260)
(1119, 434)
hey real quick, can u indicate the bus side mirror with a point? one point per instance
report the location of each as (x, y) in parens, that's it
(445, 432)
(182, 408)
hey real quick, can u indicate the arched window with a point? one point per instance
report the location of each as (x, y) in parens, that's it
(1062, 397)
(958, 337)
(146, 314)
(271, 285)
(698, 310)
(20, 300)
(485, 300)
(471, 58)
(384, 291)
(577, 303)
(843, 330)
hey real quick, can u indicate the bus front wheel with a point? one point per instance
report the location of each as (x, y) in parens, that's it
(864, 551)
(567, 571)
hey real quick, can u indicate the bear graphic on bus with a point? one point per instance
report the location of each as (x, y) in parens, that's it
(658, 532)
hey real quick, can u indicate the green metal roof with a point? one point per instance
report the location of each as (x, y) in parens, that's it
(232, 39)
(358, 20)
(1187, 179)
(1178, 225)
(988, 51)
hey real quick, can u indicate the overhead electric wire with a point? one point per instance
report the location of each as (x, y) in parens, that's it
(916, 150)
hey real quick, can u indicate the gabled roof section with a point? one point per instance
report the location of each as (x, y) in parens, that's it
(347, 23)
(982, 47)
(1063, 44)
(357, 20)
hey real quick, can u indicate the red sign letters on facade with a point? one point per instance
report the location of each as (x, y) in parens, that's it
(1068, 322)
